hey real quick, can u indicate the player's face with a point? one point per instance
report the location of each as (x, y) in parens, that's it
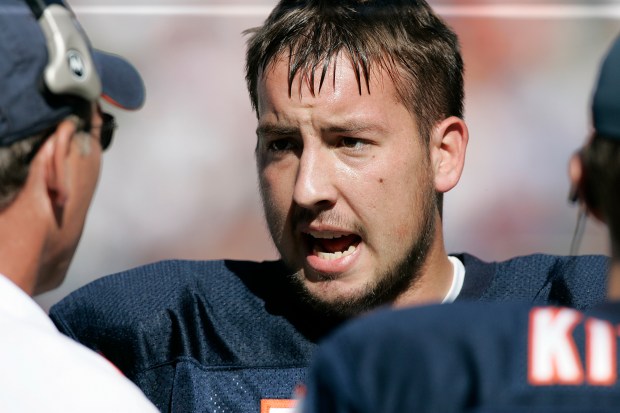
(346, 185)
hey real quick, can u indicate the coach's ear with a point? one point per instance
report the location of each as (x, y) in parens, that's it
(447, 152)
(56, 151)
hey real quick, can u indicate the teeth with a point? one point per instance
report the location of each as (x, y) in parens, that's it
(326, 235)
(334, 255)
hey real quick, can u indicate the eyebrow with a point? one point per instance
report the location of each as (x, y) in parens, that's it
(353, 126)
(345, 127)
(276, 130)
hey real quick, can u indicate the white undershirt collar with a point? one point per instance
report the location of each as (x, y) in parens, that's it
(457, 280)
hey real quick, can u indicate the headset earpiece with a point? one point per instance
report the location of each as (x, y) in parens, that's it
(573, 194)
(70, 70)
(576, 177)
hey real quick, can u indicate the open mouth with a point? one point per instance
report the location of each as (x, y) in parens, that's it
(331, 246)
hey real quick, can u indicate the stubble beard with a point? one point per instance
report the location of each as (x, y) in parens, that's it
(386, 286)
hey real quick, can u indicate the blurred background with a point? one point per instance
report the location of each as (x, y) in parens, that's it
(180, 181)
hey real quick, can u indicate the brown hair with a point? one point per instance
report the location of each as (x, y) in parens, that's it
(15, 159)
(406, 38)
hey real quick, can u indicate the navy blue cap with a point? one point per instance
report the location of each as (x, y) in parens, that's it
(606, 101)
(27, 107)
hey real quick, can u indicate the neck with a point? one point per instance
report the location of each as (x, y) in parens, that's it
(435, 278)
(21, 244)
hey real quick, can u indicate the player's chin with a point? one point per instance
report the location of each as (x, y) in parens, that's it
(332, 284)
(338, 297)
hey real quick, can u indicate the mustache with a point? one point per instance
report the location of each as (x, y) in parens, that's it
(305, 217)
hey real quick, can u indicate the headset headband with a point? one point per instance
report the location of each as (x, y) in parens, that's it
(70, 69)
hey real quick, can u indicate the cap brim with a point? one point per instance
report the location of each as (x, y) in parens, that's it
(122, 85)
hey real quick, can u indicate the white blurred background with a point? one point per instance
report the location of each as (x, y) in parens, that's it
(179, 180)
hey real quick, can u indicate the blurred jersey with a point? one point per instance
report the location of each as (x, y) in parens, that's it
(479, 357)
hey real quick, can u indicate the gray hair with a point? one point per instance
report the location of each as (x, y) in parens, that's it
(15, 159)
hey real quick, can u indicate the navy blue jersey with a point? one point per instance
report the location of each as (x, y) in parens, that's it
(470, 357)
(222, 336)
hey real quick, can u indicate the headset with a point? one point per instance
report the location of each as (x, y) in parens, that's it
(576, 197)
(70, 69)
(582, 215)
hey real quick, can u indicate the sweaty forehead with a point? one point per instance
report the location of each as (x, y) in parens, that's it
(339, 106)
(334, 79)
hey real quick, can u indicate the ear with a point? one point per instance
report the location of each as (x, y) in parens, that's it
(56, 152)
(447, 152)
(577, 194)
(575, 174)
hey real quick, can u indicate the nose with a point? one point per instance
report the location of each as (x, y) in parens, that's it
(315, 185)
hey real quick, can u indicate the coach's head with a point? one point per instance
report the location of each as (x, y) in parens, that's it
(52, 132)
